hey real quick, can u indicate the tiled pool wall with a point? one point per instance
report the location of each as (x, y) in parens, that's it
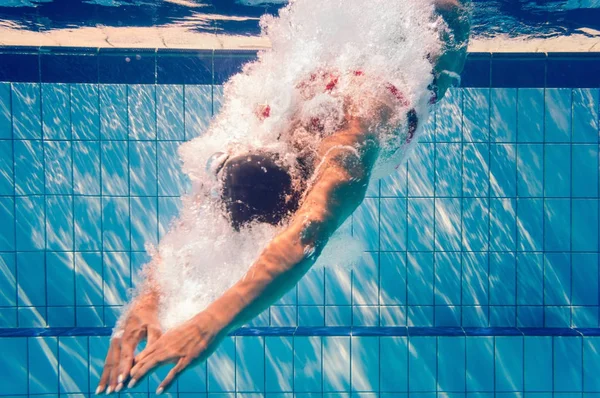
(492, 223)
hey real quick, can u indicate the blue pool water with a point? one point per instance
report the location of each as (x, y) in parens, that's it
(481, 276)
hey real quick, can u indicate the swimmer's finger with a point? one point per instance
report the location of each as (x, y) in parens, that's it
(142, 367)
(108, 379)
(130, 340)
(181, 364)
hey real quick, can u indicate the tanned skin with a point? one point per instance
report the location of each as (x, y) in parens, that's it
(343, 167)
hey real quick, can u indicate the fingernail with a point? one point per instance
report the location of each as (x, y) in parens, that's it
(159, 390)
(99, 390)
(119, 387)
(109, 390)
(120, 378)
(132, 383)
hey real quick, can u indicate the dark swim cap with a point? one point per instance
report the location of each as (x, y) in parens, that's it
(256, 188)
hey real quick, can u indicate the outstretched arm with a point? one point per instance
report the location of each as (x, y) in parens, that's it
(338, 188)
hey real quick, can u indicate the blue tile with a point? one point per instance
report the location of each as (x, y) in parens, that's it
(395, 184)
(557, 317)
(557, 279)
(336, 367)
(477, 70)
(19, 66)
(392, 316)
(584, 170)
(193, 379)
(591, 364)
(448, 316)
(584, 225)
(29, 167)
(420, 316)
(365, 316)
(584, 278)
(558, 115)
(116, 224)
(168, 208)
(393, 224)
(229, 63)
(530, 115)
(338, 286)
(530, 224)
(198, 109)
(279, 356)
(475, 224)
(557, 234)
(189, 68)
(449, 118)
(366, 280)
(60, 279)
(113, 112)
(365, 364)
(503, 170)
(116, 277)
(171, 180)
(571, 73)
(115, 162)
(420, 229)
(503, 316)
(448, 170)
(284, 315)
(250, 364)
(393, 282)
(476, 116)
(218, 98)
(88, 223)
(311, 288)
(509, 364)
(58, 167)
(422, 364)
(420, 277)
(141, 103)
(567, 364)
(86, 167)
(89, 316)
(393, 364)
(421, 169)
(475, 170)
(32, 317)
(448, 235)
(8, 280)
(69, 68)
(311, 315)
(85, 111)
(59, 223)
(447, 278)
(475, 272)
(131, 66)
(169, 112)
(530, 279)
(524, 72)
(5, 111)
(144, 222)
(537, 361)
(73, 370)
(503, 120)
(503, 234)
(98, 347)
(143, 169)
(30, 223)
(530, 316)
(451, 364)
(138, 263)
(307, 364)
(530, 170)
(13, 363)
(365, 223)
(502, 279)
(26, 111)
(56, 116)
(8, 317)
(7, 224)
(43, 365)
(475, 316)
(585, 115)
(584, 317)
(61, 317)
(557, 170)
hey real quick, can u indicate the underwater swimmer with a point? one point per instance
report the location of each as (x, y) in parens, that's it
(332, 182)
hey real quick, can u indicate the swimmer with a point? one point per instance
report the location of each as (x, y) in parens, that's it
(328, 184)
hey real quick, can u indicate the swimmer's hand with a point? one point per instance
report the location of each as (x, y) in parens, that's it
(141, 322)
(192, 341)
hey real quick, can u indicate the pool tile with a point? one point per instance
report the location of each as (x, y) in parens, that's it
(171, 181)
(338, 283)
(530, 115)
(26, 111)
(365, 280)
(284, 315)
(557, 234)
(393, 364)
(503, 316)
(367, 315)
(113, 111)
(198, 109)
(74, 361)
(307, 364)
(311, 315)
(509, 364)
(393, 278)
(116, 224)
(86, 168)
(502, 279)
(530, 316)
(475, 169)
(421, 316)
(143, 169)
(30, 228)
(61, 317)
(530, 170)
(557, 316)
(584, 182)
(365, 223)
(7, 224)
(530, 276)
(250, 364)
(477, 71)
(8, 280)
(528, 71)
(584, 317)
(29, 167)
(591, 364)
(193, 379)
(135, 66)
(567, 364)
(116, 278)
(449, 117)
(168, 209)
(585, 115)
(89, 316)
(422, 364)
(64, 67)
(420, 231)
(115, 163)
(88, 223)
(584, 224)
(476, 114)
(42, 357)
(59, 223)
(447, 224)
(421, 171)
(447, 278)
(475, 224)
(194, 67)
(394, 185)
(58, 167)
(169, 112)
(503, 114)
(144, 222)
(311, 288)
(32, 317)
(448, 316)
(451, 364)
(85, 111)
(141, 105)
(558, 115)
(60, 279)
(448, 169)
(584, 278)
(557, 279)
(365, 364)
(530, 219)
(229, 63)
(336, 364)
(392, 316)
(557, 170)
(393, 224)
(503, 234)
(279, 372)
(5, 111)
(56, 112)
(563, 72)
(537, 361)
(503, 170)
(475, 274)
(420, 277)
(15, 351)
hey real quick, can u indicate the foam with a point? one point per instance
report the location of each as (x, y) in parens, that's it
(387, 41)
